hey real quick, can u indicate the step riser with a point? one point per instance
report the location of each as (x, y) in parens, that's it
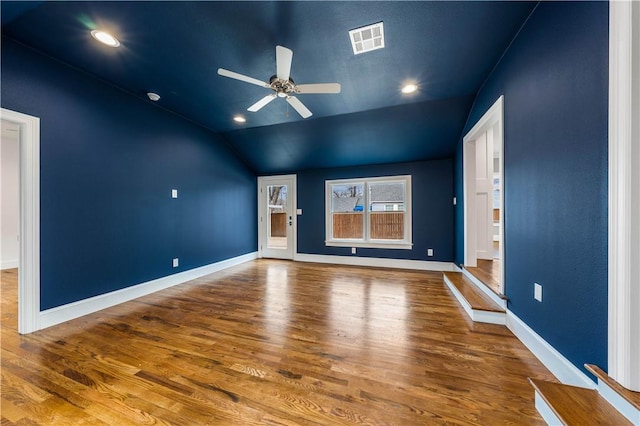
(546, 412)
(622, 405)
(486, 290)
(499, 318)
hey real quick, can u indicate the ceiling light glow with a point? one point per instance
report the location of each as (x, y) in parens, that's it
(105, 38)
(239, 119)
(409, 88)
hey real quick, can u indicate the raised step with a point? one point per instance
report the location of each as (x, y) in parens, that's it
(560, 404)
(485, 283)
(475, 302)
(625, 401)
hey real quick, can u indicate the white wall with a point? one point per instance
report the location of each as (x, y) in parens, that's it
(10, 200)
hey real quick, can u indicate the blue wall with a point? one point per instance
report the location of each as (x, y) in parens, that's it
(554, 78)
(108, 164)
(432, 203)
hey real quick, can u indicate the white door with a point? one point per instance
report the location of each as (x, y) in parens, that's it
(484, 195)
(276, 216)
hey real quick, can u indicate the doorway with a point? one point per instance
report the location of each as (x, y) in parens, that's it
(277, 216)
(29, 230)
(483, 172)
(10, 180)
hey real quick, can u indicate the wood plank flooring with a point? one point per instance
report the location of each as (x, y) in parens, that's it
(488, 272)
(271, 343)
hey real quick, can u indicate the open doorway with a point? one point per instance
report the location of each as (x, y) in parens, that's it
(484, 199)
(28, 135)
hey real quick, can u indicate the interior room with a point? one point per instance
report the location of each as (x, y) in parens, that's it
(301, 212)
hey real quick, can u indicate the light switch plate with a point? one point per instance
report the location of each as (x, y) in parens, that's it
(299, 212)
(537, 292)
(174, 193)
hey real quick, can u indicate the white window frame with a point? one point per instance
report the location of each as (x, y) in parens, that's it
(367, 242)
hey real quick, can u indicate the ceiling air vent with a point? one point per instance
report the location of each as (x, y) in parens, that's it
(366, 39)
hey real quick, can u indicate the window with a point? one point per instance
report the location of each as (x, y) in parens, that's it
(369, 212)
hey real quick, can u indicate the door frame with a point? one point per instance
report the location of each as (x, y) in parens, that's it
(624, 201)
(29, 262)
(291, 198)
(493, 118)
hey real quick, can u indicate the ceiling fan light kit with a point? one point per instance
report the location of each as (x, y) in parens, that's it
(283, 85)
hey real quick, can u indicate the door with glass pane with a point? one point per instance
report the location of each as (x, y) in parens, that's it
(276, 216)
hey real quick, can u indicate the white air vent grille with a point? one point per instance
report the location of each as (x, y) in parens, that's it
(366, 39)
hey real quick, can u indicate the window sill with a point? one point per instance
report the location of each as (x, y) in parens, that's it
(376, 245)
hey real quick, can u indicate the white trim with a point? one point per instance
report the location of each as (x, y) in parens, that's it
(292, 194)
(489, 317)
(80, 308)
(486, 290)
(419, 265)
(371, 244)
(624, 194)
(367, 242)
(493, 118)
(9, 264)
(561, 367)
(546, 412)
(29, 262)
(619, 403)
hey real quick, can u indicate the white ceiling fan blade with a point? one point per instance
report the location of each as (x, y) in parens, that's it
(241, 77)
(261, 103)
(318, 88)
(299, 106)
(284, 57)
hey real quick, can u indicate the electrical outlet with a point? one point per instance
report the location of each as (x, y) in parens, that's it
(353, 250)
(537, 292)
(429, 252)
(174, 193)
(176, 262)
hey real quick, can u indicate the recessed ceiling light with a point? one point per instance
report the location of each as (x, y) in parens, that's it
(105, 38)
(153, 96)
(366, 39)
(409, 88)
(239, 119)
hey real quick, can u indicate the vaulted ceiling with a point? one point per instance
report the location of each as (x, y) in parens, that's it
(448, 48)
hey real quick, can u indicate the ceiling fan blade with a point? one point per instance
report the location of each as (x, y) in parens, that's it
(299, 106)
(241, 77)
(318, 88)
(261, 103)
(284, 57)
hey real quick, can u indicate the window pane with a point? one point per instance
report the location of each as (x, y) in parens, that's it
(347, 210)
(277, 204)
(386, 204)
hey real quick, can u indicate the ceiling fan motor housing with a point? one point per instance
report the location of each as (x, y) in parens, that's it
(282, 88)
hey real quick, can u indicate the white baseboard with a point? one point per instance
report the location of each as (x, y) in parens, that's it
(9, 264)
(420, 265)
(77, 309)
(560, 366)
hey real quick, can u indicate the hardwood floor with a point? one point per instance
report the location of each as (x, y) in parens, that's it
(276, 343)
(488, 272)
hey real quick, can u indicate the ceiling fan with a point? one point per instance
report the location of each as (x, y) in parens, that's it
(282, 84)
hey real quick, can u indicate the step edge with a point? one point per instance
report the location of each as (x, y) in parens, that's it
(612, 384)
(500, 301)
(549, 414)
(497, 309)
(534, 383)
(476, 315)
